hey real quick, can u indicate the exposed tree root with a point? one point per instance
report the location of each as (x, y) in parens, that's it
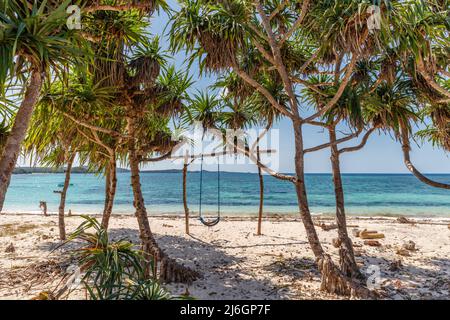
(335, 282)
(348, 265)
(172, 271)
(165, 268)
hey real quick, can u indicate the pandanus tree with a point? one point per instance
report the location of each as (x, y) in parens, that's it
(126, 60)
(345, 113)
(34, 45)
(52, 142)
(249, 108)
(90, 107)
(221, 33)
(55, 140)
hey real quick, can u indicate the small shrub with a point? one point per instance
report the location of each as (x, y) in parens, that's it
(112, 270)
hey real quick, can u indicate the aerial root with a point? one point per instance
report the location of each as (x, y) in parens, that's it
(172, 271)
(347, 263)
(335, 282)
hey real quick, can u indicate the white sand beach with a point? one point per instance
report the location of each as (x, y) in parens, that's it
(234, 262)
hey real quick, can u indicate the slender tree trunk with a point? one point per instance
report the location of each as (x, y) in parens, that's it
(346, 254)
(15, 138)
(332, 279)
(111, 186)
(107, 188)
(261, 194)
(169, 269)
(186, 208)
(406, 148)
(62, 202)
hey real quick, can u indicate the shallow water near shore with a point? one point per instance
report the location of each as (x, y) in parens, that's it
(366, 194)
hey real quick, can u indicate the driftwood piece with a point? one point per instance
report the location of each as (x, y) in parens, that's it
(372, 243)
(326, 227)
(330, 226)
(370, 234)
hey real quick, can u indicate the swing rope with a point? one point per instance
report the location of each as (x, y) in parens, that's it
(209, 223)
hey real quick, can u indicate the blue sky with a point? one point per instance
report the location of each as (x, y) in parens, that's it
(381, 154)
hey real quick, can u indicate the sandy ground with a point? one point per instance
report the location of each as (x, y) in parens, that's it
(237, 264)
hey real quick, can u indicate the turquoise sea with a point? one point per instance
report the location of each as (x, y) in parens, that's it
(366, 194)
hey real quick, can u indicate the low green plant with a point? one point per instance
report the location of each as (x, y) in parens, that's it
(112, 270)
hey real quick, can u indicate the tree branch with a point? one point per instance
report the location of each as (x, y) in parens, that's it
(297, 23)
(339, 93)
(92, 127)
(329, 144)
(125, 7)
(361, 145)
(278, 59)
(429, 79)
(246, 77)
(406, 158)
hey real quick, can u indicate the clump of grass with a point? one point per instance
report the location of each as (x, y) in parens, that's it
(12, 229)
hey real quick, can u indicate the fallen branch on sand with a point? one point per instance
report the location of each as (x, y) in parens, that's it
(368, 234)
(331, 226)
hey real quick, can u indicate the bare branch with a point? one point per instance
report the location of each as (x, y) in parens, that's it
(429, 79)
(361, 145)
(167, 155)
(255, 144)
(90, 126)
(160, 158)
(317, 123)
(313, 87)
(406, 158)
(278, 59)
(247, 78)
(329, 144)
(108, 155)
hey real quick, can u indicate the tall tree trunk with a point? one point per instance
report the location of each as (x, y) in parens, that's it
(261, 193)
(406, 148)
(110, 191)
(332, 279)
(62, 202)
(169, 269)
(186, 208)
(15, 138)
(346, 254)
